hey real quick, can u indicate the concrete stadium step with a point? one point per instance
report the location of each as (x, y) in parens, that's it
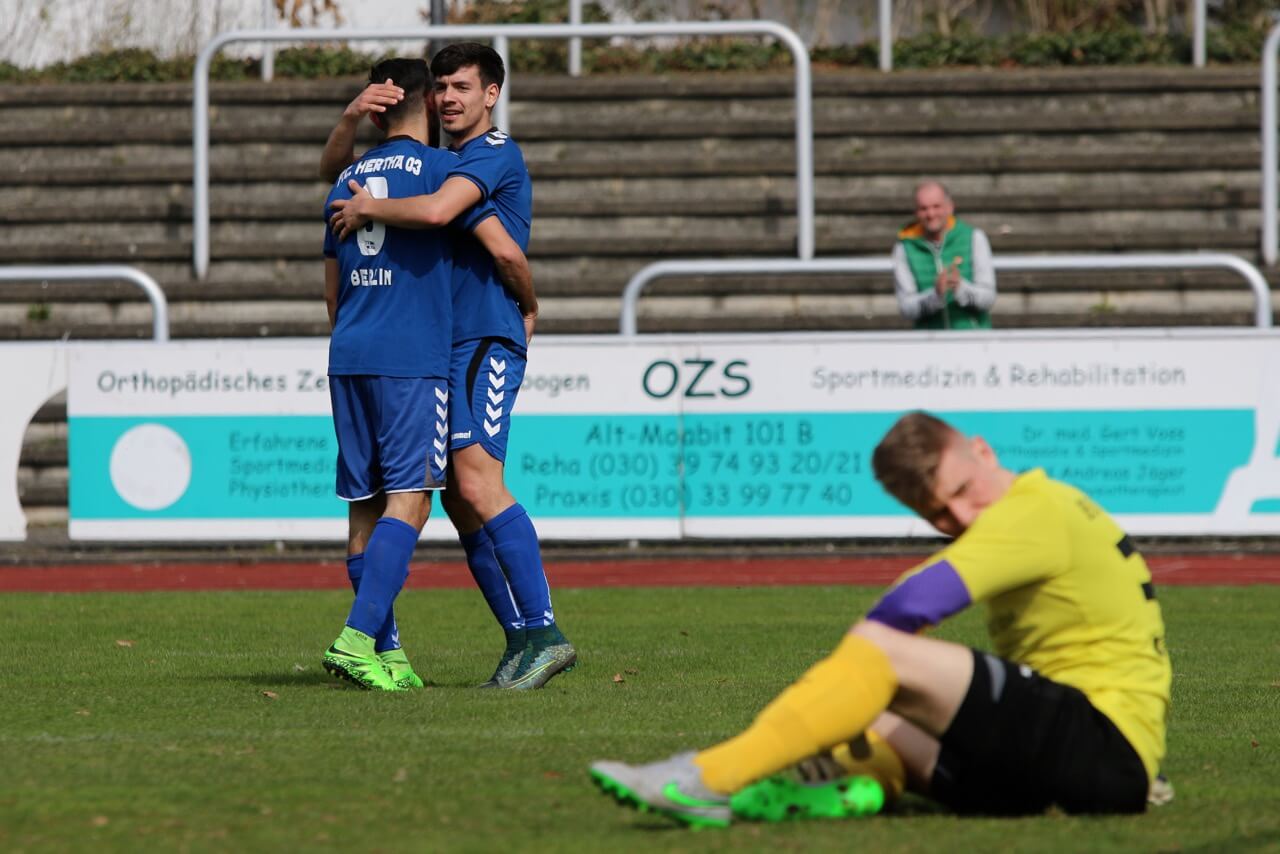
(842, 82)
(605, 233)
(668, 118)
(1131, 239)
(830, 241)
(42, 486)
(683, 313)
(1063, 151)
(729, 196)
(576, 277)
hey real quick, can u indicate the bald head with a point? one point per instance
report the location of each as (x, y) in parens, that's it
(934, 208)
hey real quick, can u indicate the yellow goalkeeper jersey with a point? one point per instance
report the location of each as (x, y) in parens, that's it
(1067, 594)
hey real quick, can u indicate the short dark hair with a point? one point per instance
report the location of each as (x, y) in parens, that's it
(906, 460)
(452, 57)
(411, 75)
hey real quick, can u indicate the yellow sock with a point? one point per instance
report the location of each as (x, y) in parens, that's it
(872, 756)
(832, 702)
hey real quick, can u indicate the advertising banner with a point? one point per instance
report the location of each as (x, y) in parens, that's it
(706, 436)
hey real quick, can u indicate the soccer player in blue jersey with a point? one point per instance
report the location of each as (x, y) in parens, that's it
(492, 326)
(1069, 711)
(389, 295)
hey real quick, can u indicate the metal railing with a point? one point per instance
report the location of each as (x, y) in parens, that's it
(575, 43)
(884, 20)
(91, 272)
(1007, 263)
(799, 54)
(268, 52)
(1269, 228)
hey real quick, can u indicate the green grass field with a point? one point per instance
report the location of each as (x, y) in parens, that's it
(203, 722)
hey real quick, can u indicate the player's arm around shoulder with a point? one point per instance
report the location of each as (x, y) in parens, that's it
(432, 210)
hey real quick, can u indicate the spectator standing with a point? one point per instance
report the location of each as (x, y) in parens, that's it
(942, 266)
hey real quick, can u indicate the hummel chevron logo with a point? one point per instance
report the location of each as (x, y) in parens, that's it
(441, 412)
(438, 444)
(442, 395)
(498, 367)
(441, 428)
(495, 414)
(492, 429)
(496, 381)
(495, 397)
(440, 461)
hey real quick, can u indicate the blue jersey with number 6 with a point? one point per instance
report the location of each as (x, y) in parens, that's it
(395, 304)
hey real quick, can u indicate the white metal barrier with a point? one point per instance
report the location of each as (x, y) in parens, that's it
(799, 55)
(1025, 263)
(91, 272)
(1269, 228)
(575, 44)
(885, 22)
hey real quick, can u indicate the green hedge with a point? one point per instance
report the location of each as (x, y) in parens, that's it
(1123, 46)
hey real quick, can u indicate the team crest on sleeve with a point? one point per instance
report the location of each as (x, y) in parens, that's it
(496, 138)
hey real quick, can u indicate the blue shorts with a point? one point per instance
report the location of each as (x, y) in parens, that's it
(484, 377)
(391, 434)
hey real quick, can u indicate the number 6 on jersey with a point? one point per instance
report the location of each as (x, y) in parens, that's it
(370, 237)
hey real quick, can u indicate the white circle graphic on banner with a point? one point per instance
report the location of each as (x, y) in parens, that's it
(150, 466)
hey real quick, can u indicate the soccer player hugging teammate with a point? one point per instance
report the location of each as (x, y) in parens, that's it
(494, 309)
(1068, 711)
(391, 312)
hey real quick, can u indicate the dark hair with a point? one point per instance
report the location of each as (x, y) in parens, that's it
(411, 75)
(906, 460)
(453, 57)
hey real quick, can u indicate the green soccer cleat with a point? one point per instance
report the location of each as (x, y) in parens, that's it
(672, 787)
(351, 657)
(398, 668)
(543, 658)
(506, 670)
(782, 798)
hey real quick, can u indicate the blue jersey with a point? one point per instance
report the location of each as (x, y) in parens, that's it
(482, 306)
(395, 305)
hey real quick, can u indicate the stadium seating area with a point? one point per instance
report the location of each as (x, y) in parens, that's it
(628, 170)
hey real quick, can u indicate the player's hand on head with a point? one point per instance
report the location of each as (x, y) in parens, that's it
(350, 214)
(375, 98)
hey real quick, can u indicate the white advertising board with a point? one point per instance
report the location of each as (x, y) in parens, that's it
(1175, 432)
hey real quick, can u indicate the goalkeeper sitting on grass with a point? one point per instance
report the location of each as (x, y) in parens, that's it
(1068, 711)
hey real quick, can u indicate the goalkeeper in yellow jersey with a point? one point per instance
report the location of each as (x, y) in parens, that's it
(1068, 710)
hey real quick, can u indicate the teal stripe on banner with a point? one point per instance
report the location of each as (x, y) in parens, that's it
(636, 466)
(1266, 505)
(242, 467)
(819, 464)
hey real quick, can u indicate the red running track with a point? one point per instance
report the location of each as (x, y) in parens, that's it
(1227, 569)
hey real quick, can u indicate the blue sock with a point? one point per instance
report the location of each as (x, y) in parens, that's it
(485, 569)
(385, 568)
(515, 543)
(388, 636)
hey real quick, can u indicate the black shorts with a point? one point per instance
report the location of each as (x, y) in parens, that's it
(1021, 743)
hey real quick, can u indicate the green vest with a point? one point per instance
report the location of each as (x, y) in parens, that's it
(927, 260)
